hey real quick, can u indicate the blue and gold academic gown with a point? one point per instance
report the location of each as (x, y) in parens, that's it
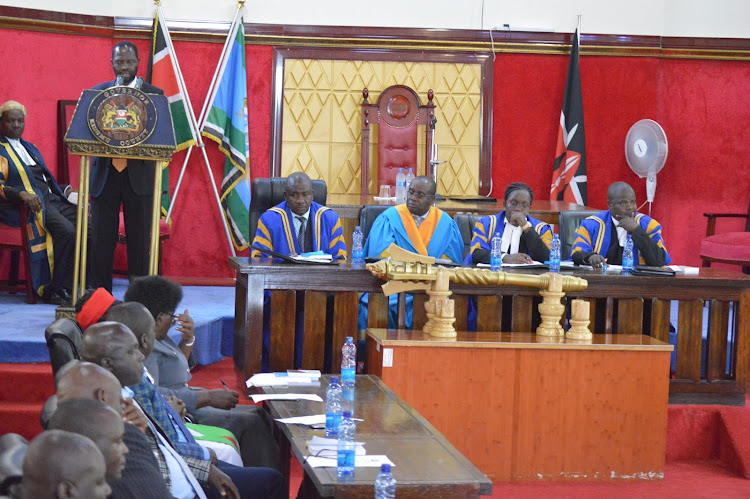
(486, 228)
(595, 234)
(16, 177)
(276, 231)
(437, 236)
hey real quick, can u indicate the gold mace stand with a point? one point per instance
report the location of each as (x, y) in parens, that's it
(407, 271)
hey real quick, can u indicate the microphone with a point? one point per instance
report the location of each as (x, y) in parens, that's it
(138, 82)
(118, 81)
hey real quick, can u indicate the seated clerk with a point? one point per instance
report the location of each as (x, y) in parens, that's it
(49, 471)
(25, 179)
(300, 225)
(296, 225)
(142, 475)
(416, 226)
(523, 238)
(100, 423)
(115, 347)
(169, 364)
(601, 237)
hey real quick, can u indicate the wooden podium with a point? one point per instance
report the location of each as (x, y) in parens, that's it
(527, 407)
(119, 122)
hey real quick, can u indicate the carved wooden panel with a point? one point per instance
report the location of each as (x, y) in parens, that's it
(321, 118)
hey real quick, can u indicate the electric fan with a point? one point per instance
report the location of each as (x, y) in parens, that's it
(646, 152)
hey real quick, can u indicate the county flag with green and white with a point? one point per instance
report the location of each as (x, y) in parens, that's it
(162, 72)
(226, 123)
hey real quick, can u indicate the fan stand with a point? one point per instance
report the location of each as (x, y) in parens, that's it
(644, 204)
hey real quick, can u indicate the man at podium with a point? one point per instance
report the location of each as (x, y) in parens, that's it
(122, 182)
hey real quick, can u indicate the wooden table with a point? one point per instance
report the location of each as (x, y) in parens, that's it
(621, 303)
(524, 407)
(426, 464)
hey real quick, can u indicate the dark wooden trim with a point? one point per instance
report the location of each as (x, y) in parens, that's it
(333, 53)
(383, 37)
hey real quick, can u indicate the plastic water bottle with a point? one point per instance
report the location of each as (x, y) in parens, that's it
(385, 484)
(627, 255)
(554, 254)
(347, 398)
(348, 362)
(400, 187)
(358, 253)
(345, 449)
(333, 407)
(409, 178)
(496, 253)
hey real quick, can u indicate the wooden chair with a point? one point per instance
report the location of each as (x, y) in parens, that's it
(728, 247)
(69, 175)
(15, 239)
(397, 113)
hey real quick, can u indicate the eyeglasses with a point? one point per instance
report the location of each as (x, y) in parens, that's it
(173, 316)
(517, 205)
(418, 194)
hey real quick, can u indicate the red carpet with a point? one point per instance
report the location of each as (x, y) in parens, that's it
(708, 447)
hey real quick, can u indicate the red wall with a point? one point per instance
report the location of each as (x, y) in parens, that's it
(700, 104)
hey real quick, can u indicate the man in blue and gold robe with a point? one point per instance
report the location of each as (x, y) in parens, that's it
(416, 226)
(293, 227)
(299, 225)
(602, 237)
(25, 179)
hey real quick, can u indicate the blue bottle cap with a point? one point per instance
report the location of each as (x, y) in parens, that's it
(347, 414)
(334, 379)
(385, 468)
(350, 338)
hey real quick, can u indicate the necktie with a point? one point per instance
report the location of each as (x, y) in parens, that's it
(417, 220)
(301, 235)
(119, 163)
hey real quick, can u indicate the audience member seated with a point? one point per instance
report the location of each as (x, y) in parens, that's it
(91, 307)
(24, 178)
(313, 227)
(100, 423)
(523, 238)
(137, 318)
(146, 473)
(62, 464)
(601, 238)
(416, 226)
(115, 347)
(169, 365)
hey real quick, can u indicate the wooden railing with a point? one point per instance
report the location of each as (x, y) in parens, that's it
(621, 304)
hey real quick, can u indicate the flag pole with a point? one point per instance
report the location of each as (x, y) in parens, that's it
(191, 113)
(194, 125)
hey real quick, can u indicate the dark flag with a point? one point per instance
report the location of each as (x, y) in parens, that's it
(569, 172)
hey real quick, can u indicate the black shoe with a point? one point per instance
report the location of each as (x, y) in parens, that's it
(65, 295)
(52, 298)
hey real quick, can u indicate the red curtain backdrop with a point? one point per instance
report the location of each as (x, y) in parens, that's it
(701, 105)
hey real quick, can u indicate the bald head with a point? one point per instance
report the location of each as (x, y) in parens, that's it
(621, 200)
(114, 347)
(101, 424)
(90, 381)
(63, 464)
(421, 195)
(298, 193)
(138, 319)
(619, 189)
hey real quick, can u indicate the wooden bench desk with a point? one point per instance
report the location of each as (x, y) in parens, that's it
(527, 407)
(426, 464)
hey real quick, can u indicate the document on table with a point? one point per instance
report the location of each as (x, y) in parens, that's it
(282, 379)
(315, 419)
(367, 461)
(260, 397)
(328, 447)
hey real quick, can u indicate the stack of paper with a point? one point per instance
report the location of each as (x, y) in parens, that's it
(292, 377)
(314, 256)
(327, 447)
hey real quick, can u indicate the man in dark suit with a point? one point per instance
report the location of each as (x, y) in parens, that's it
(118, 181)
